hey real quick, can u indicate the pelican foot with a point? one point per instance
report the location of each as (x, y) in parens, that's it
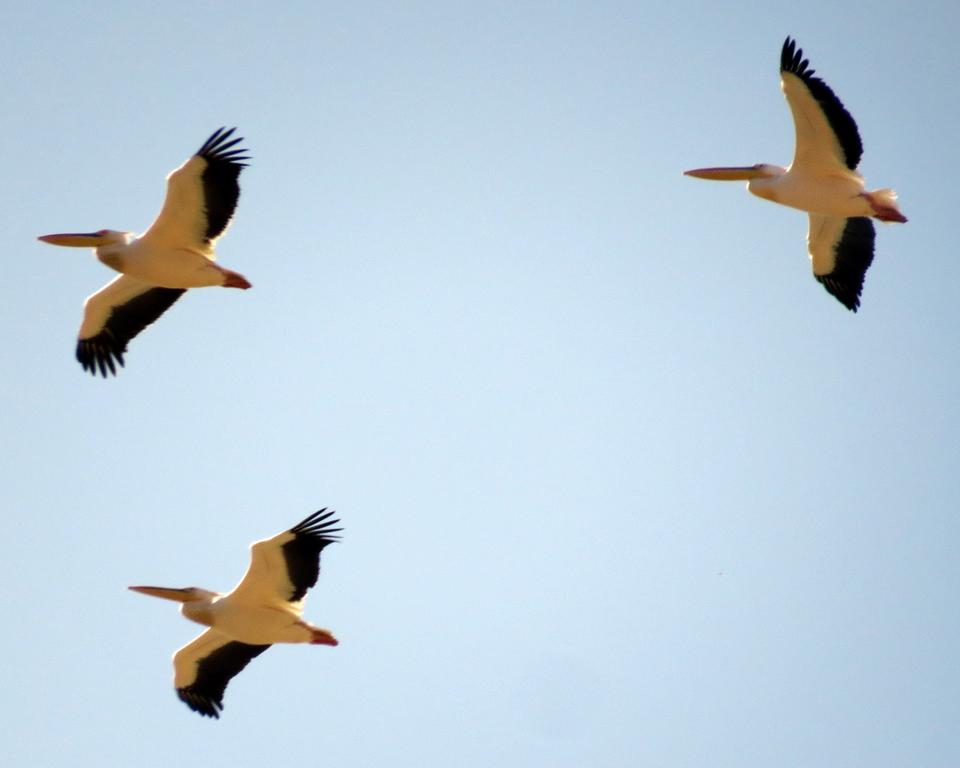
(233, 279)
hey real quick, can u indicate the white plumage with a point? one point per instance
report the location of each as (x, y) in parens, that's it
(266, 607)
(822, 180)
(174, 254)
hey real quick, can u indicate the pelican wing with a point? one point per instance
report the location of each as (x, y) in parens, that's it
(203, 668)
(114, 315)
(201, 196)
(841, 251)
(827, 136)
(283, 568)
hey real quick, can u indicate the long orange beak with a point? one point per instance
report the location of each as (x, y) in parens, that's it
(730, 173)
(75, 240)
(167, 593)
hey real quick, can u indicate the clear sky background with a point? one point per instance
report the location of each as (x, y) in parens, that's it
(621, 484)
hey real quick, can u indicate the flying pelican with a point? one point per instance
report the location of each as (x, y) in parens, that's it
(822, 180)
(264, 608)
(174, 254)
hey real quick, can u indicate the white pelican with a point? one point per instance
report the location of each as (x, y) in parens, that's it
(264, 608)
(822, 180)
(174, 254)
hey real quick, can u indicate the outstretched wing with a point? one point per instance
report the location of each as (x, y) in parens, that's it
(203, 668)
(283, 568)
(114, 315)
(201, 195)
(827, 135)
(841, 251)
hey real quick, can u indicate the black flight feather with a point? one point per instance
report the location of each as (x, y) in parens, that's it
(221, 189)
(303, 552)
(854, 255)
(205, 694)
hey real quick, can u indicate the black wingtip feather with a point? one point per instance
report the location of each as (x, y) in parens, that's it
(791, 59)
(100, 352)
(202, 704)
(318, 524)
(218, 148)
(843, 124)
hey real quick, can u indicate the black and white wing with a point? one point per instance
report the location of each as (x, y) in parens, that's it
(284, 567)
(827, 135)
(841, 251)
(203, 668)
(113, 316)
(202, 195)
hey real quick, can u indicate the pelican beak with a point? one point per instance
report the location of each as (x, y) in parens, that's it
(180, 595)
(75, 240)
(727, 174)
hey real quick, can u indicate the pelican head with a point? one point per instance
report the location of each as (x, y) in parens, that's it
(87, 239)
(110, 245)
(762, 179)
(196, 601)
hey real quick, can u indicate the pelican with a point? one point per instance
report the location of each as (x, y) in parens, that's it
(263, 609)
(174, 254)
(822, 180)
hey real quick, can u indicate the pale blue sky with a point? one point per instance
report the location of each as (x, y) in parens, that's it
(621, 484)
